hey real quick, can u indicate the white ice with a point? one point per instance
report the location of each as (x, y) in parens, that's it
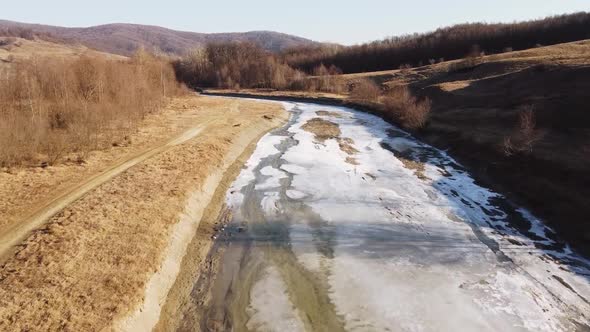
(269, 291)
(294, 194)
(264, 148)
(274, 177)
(414, 254)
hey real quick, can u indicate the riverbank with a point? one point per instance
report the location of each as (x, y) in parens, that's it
(330, 228)
(475, 110)
(108, 259)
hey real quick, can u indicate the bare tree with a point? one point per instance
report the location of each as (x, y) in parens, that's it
(525, 135)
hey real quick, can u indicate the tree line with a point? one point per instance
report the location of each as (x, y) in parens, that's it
(234, 65)
(56, 108)
(448, 43)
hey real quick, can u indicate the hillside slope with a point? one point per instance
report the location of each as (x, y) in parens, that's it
(448, 43)
(16, 49)
(124, 39)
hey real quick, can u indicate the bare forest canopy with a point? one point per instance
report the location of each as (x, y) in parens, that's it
(234, 66)
(448, 43)
(25, 33)
(53, 108)
(125, 39)
(247, 65)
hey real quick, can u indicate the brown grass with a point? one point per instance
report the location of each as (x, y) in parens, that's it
(365, 90)
(90, 264)
(351, 160)
(328, 113)
(346, 145)
(25, 189)
(56, 108)
(21, 49)
(416, 166)
(405, 108)
(322, 129)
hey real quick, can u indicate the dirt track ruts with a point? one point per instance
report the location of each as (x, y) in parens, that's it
(14, 235)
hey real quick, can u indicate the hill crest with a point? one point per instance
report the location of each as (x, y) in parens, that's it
(125, 38)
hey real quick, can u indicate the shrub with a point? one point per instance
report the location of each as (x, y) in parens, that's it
(20, 32)
(404, 108)
(234, 65)
(54, 107)
(465, 65)
(365, 90)
(405, 68)
(326, 79)
(525, 134)
(7, 41)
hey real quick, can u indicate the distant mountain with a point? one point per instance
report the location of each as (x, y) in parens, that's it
(124, 39)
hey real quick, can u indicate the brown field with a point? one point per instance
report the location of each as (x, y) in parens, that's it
(19, 49)
(87, 268)
(87, 237)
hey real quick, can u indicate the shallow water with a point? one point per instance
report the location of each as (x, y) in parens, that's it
(319, 244)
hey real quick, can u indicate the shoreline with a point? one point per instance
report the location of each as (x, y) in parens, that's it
(160, 290)
(488, 167)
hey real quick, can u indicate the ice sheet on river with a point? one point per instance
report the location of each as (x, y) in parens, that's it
(402, 252)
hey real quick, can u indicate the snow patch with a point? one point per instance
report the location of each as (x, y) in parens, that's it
(270, 292)
(294, 194)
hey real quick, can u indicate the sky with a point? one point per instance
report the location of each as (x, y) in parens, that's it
(345, 22)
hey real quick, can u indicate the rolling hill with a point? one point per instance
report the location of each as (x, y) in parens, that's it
(124, 39)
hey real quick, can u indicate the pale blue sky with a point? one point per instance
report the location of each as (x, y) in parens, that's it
(345, 22)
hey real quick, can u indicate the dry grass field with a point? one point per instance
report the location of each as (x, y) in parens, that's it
(16, 49)
(88, 267)
(84, 236)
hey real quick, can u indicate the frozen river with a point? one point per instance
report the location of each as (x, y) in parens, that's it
(376, 231)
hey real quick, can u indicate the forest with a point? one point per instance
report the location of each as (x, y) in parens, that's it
(447, 43)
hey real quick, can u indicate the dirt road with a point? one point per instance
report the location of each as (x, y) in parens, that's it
(14, 235)
(107, 250)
